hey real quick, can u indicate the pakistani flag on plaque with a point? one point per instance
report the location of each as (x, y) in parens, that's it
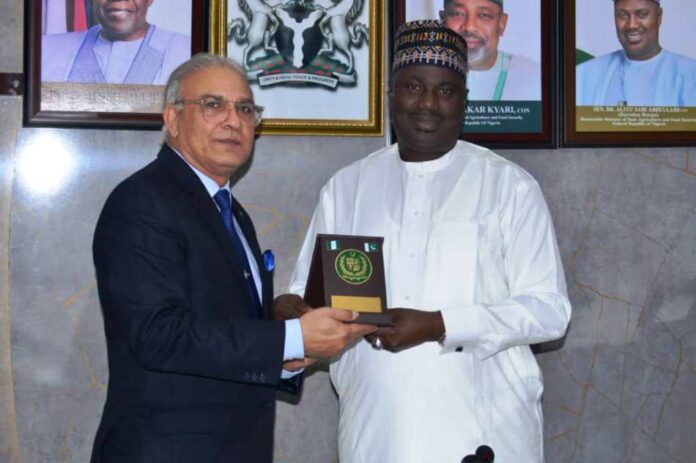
(347, 272)
(371, 246)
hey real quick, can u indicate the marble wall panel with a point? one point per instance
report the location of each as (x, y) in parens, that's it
(62, 179)
(11, 21)
(621, 388)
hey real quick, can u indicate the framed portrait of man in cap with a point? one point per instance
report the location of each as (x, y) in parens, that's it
(630, 72)
(315, 65)
(509, 74)
(105, 62)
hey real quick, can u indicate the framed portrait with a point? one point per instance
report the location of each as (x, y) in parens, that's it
(99, 63)
(630, 72)
(314, 65)
(512, 88)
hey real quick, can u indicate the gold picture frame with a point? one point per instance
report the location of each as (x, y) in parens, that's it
(283, 115)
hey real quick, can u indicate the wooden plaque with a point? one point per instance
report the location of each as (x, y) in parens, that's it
(347, 272)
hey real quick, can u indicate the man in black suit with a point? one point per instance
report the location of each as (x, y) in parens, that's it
(194, 359)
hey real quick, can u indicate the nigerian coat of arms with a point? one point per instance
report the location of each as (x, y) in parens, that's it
(299, 42)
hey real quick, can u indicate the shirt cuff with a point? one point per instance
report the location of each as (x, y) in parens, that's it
(285, 374)
(462, 328)
(294, 343)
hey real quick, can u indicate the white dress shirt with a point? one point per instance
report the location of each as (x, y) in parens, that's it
(294, 342)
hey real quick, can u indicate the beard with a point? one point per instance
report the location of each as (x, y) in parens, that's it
(473, 56)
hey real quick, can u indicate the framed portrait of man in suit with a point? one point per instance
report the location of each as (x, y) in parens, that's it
(315, 65)
(105, 63)
(510, 53)
(630, 72)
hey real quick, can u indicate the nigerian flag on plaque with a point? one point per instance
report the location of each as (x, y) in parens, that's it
(371, 247)
(333, 245)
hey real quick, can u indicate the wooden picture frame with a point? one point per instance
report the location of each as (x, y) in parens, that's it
(657, 114)
(64, 90)
(317, 71)
(524, 118)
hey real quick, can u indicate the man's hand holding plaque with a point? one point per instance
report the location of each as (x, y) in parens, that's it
(325, 331)
(411, 327)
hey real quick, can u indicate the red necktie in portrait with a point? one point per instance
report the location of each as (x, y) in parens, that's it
(76, 15)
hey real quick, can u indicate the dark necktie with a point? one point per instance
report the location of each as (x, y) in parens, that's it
(222, 198)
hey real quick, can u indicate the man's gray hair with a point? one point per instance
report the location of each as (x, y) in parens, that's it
(198, 62)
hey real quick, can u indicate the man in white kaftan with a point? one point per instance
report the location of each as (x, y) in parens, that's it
(468, 234)
(468, 240)
(642, 73)
(122, 49)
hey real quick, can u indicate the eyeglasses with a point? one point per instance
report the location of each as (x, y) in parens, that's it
(216, 109)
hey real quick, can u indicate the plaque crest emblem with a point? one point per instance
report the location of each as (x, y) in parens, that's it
(299, 42)
(353, 267)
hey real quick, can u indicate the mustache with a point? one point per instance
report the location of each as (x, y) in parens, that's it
(425, 114)
(472, 35)
(115, 10)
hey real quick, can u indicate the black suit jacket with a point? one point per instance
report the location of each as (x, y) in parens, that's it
(192, 370)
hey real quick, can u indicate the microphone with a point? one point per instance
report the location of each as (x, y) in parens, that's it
(484, 454)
